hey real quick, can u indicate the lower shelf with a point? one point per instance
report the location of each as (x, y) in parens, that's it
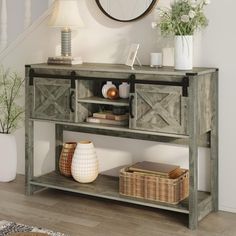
(107, 187)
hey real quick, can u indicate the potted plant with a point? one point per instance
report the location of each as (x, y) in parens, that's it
(182, 19)
(10, 116)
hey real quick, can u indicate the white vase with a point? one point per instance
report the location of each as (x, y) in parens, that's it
(124, 90)
(105, 88)
(184, 52)
(84, 167)
(8, 157)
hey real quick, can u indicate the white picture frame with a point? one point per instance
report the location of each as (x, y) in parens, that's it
(132, 54)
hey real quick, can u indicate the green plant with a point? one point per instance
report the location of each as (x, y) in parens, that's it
(10, 90)
(183, 17)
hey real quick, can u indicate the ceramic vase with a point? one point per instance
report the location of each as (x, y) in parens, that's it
(105, 88)
(84, 166)
(66, 158)
(124, 90)
(8, 157)
(184, 52)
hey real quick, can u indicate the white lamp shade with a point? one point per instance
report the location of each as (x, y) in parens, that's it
(66, 14)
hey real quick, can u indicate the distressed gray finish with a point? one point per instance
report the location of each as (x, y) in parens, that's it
(214, 144)
(161, 113)
(51, 99)
(193, 152)
(59, 144)
(160, 108)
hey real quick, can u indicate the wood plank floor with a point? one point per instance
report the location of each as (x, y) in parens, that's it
(82, 216)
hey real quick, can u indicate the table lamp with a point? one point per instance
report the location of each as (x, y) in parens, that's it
(65, 15)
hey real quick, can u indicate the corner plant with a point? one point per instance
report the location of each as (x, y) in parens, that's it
(183, 17)
(10, 90)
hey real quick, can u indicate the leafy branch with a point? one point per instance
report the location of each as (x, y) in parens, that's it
(183, 17)
(10, 90)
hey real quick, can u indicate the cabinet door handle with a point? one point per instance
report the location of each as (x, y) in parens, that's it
(131, 106)
(71, 101)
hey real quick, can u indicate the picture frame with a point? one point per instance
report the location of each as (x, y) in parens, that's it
(132, 55)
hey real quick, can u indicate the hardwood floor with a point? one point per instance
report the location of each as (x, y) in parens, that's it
(82, 216)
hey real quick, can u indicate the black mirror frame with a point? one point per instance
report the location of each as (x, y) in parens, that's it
(134, 19)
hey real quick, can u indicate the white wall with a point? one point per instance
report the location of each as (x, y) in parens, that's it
(218, 49)
(103, 40)
(16, 13)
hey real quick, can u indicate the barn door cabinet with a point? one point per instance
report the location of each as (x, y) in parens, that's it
(164, 105)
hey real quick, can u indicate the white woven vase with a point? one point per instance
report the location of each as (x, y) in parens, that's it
(8, 157)
(84, 166)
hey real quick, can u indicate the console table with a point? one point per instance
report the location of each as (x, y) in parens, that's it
(165, 105)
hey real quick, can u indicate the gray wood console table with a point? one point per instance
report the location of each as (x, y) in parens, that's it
(165, 105)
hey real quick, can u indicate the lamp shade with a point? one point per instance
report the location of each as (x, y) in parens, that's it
(66, 14)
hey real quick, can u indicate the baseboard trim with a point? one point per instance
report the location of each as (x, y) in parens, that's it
(227, 209)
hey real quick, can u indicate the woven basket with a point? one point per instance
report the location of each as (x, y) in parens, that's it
(66, 158)
(153, 187)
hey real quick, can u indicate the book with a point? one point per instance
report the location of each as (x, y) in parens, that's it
(108, 115)
(155, 168)
(106, 121)
(64, 60)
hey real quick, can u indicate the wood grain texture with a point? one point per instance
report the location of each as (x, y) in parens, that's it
(193, 153)
(161, 114)
(160, 108)
(82, 216)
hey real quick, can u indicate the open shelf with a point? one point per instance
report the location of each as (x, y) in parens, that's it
(104, 101)
(107, 187)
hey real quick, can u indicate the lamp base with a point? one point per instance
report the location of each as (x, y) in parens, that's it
(66, 42)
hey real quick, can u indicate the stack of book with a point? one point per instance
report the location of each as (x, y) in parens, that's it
(60, 60)
(157, 169)
(106, 117)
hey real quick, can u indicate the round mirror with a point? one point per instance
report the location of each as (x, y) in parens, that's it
(125, 10)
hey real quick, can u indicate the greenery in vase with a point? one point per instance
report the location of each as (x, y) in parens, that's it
(10, 90)
(183, 17)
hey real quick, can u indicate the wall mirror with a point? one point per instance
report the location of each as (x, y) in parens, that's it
(126, 10)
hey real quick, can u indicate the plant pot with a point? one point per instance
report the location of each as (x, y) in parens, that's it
(184, 52)
(84, 166)
(66, 158)
(8, 157)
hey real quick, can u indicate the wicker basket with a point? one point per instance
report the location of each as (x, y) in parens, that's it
(153, 187)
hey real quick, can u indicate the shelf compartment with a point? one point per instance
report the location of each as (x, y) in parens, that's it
(106, 187)
(104, 101)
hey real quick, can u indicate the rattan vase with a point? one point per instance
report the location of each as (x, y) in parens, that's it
(66, 158)
(84, 166)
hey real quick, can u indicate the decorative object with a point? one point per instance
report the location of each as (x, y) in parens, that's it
(66, 16)
(182, 19)
(66, 158)
(12, 228)
(156, 59)
(154, 187)
(105, 88)
(132, 55)
(10, 116)
(112, 93)
(126, 11)
(124, 90)
(183, 52)
(84, 166)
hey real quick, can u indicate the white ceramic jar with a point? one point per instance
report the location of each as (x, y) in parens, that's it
(124, 90)
(84, 167)
(105, 88)
(8, 158)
